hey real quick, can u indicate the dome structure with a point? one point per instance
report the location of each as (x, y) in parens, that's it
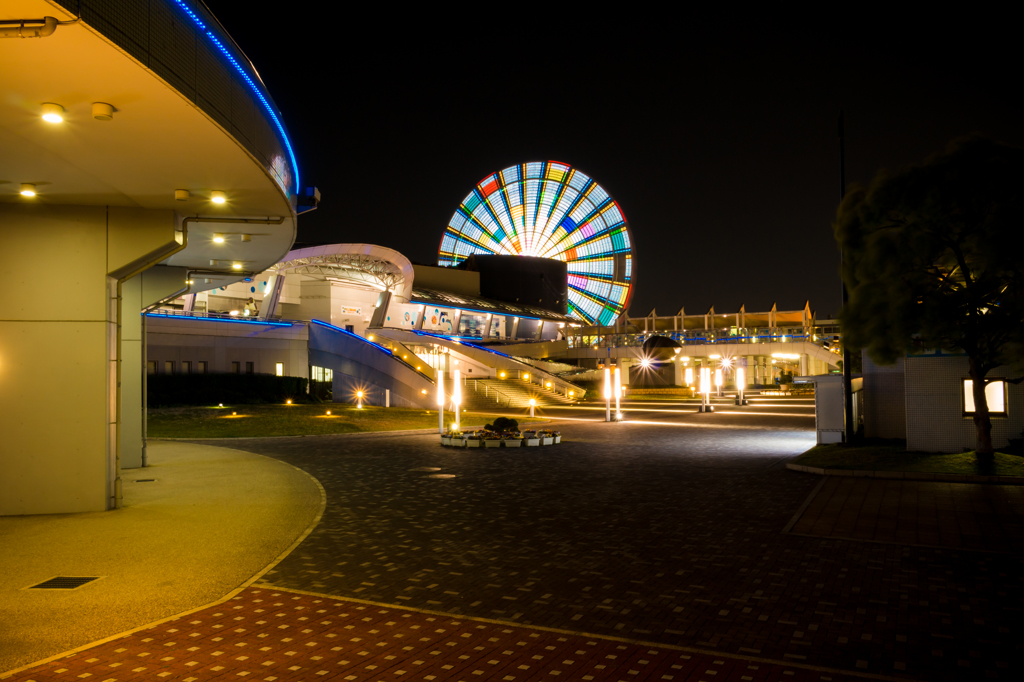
(549, 209)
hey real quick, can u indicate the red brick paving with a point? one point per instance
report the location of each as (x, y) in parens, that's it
(277, 635)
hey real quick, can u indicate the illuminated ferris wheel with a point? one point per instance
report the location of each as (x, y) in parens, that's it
(550, 210)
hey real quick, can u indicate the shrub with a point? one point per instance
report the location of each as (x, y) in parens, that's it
(169, 390)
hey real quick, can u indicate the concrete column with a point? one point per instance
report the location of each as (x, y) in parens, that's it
(515, 327)
(66, 460)
(487, 327)
(540, 330)
(272, 297)
(456, 322)
(804, 366)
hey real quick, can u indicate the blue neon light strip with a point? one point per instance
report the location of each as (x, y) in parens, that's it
(379, 347)
(259, 94)
(229, 320)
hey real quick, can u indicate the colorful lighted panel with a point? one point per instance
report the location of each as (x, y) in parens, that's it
(551, 210)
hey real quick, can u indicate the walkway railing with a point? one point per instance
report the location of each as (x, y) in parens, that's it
(826, 337)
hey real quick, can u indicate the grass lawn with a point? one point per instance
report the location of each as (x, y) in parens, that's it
(893, 456)
(290, 420)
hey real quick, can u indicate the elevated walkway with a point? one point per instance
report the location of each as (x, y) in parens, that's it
(362, 365)
(495, 362)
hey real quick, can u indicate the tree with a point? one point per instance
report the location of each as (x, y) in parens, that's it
(930, 260)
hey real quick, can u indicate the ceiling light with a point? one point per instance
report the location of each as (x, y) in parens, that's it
(236, 266)
(181, 195)
(101, 111)
(218, 237)
(28, 189)
(246, 237)
(53, 113)
(218, 197)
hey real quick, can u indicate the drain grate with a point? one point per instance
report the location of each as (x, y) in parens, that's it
(64, 582)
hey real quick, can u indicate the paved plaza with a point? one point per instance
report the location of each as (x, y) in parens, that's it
(681, 535)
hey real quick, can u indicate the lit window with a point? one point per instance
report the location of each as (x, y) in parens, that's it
(279, 369)
(201, 367)
(169, 367)
(186, 366)
(995, 396)
(151, 367)
(236, 367)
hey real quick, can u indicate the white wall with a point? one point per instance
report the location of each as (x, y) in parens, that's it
(934, 407)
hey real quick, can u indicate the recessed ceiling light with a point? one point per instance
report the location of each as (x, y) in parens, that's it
(218, 237)
(181, 195)
(28, 189)
(53, 113)
(236, 266)
(101, 111)
(218, 197)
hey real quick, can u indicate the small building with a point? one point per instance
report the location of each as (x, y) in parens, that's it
(926, 398)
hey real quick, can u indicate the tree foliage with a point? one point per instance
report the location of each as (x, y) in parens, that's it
(931, 259)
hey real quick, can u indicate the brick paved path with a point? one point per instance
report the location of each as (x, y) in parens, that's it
(669, 534)
(279, 636)
(961, 515)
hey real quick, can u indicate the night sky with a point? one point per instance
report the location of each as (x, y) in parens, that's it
(721, 148)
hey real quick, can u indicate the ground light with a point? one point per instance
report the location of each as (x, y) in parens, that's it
(288, 402)
(328, 413)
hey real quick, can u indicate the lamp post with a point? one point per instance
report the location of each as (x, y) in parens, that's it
(359, 400)
(456, 398)
(607, 394)
(705, 390)
(718, 381)
(440, 401)
(618, 393)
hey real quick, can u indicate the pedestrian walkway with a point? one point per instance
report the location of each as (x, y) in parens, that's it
(197, 524)
(278, 636)
(960, 515)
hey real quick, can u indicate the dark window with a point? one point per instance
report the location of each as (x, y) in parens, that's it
(249, 368)
(151, 367)
(169, 367)
(186, 366)
(201, 367)
(236, 367)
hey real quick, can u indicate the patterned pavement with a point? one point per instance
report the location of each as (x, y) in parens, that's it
(279, 636)
(668, 533)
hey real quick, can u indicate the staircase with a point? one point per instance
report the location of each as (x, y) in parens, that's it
(483, 394)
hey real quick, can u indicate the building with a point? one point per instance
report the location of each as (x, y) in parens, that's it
(143, 158)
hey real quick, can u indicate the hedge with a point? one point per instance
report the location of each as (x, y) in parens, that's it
(167, 390)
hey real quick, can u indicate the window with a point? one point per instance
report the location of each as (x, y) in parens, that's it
(186, 366)
(151, 367)
(279, 369)
(236, 367)
(169, 367)
(249, 368)
(995, 396)
(201, 367)
(350, 328)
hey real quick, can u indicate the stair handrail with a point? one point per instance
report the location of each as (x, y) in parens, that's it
(476, 388)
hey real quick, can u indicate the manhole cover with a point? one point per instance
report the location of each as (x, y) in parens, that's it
(426, 469)
(63, 582)
(441, 476)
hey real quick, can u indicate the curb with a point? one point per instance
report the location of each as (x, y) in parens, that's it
(908, 475)
(351, 434)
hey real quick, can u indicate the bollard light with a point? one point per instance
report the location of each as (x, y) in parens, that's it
(607, 394)
(456, 397)
(718, 377)
(618, 392)
(689, 376)
(440, 402)
(359, 399)
(533, 403)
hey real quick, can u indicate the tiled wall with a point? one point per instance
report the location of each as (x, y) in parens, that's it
(934, 407)
(884, 400)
